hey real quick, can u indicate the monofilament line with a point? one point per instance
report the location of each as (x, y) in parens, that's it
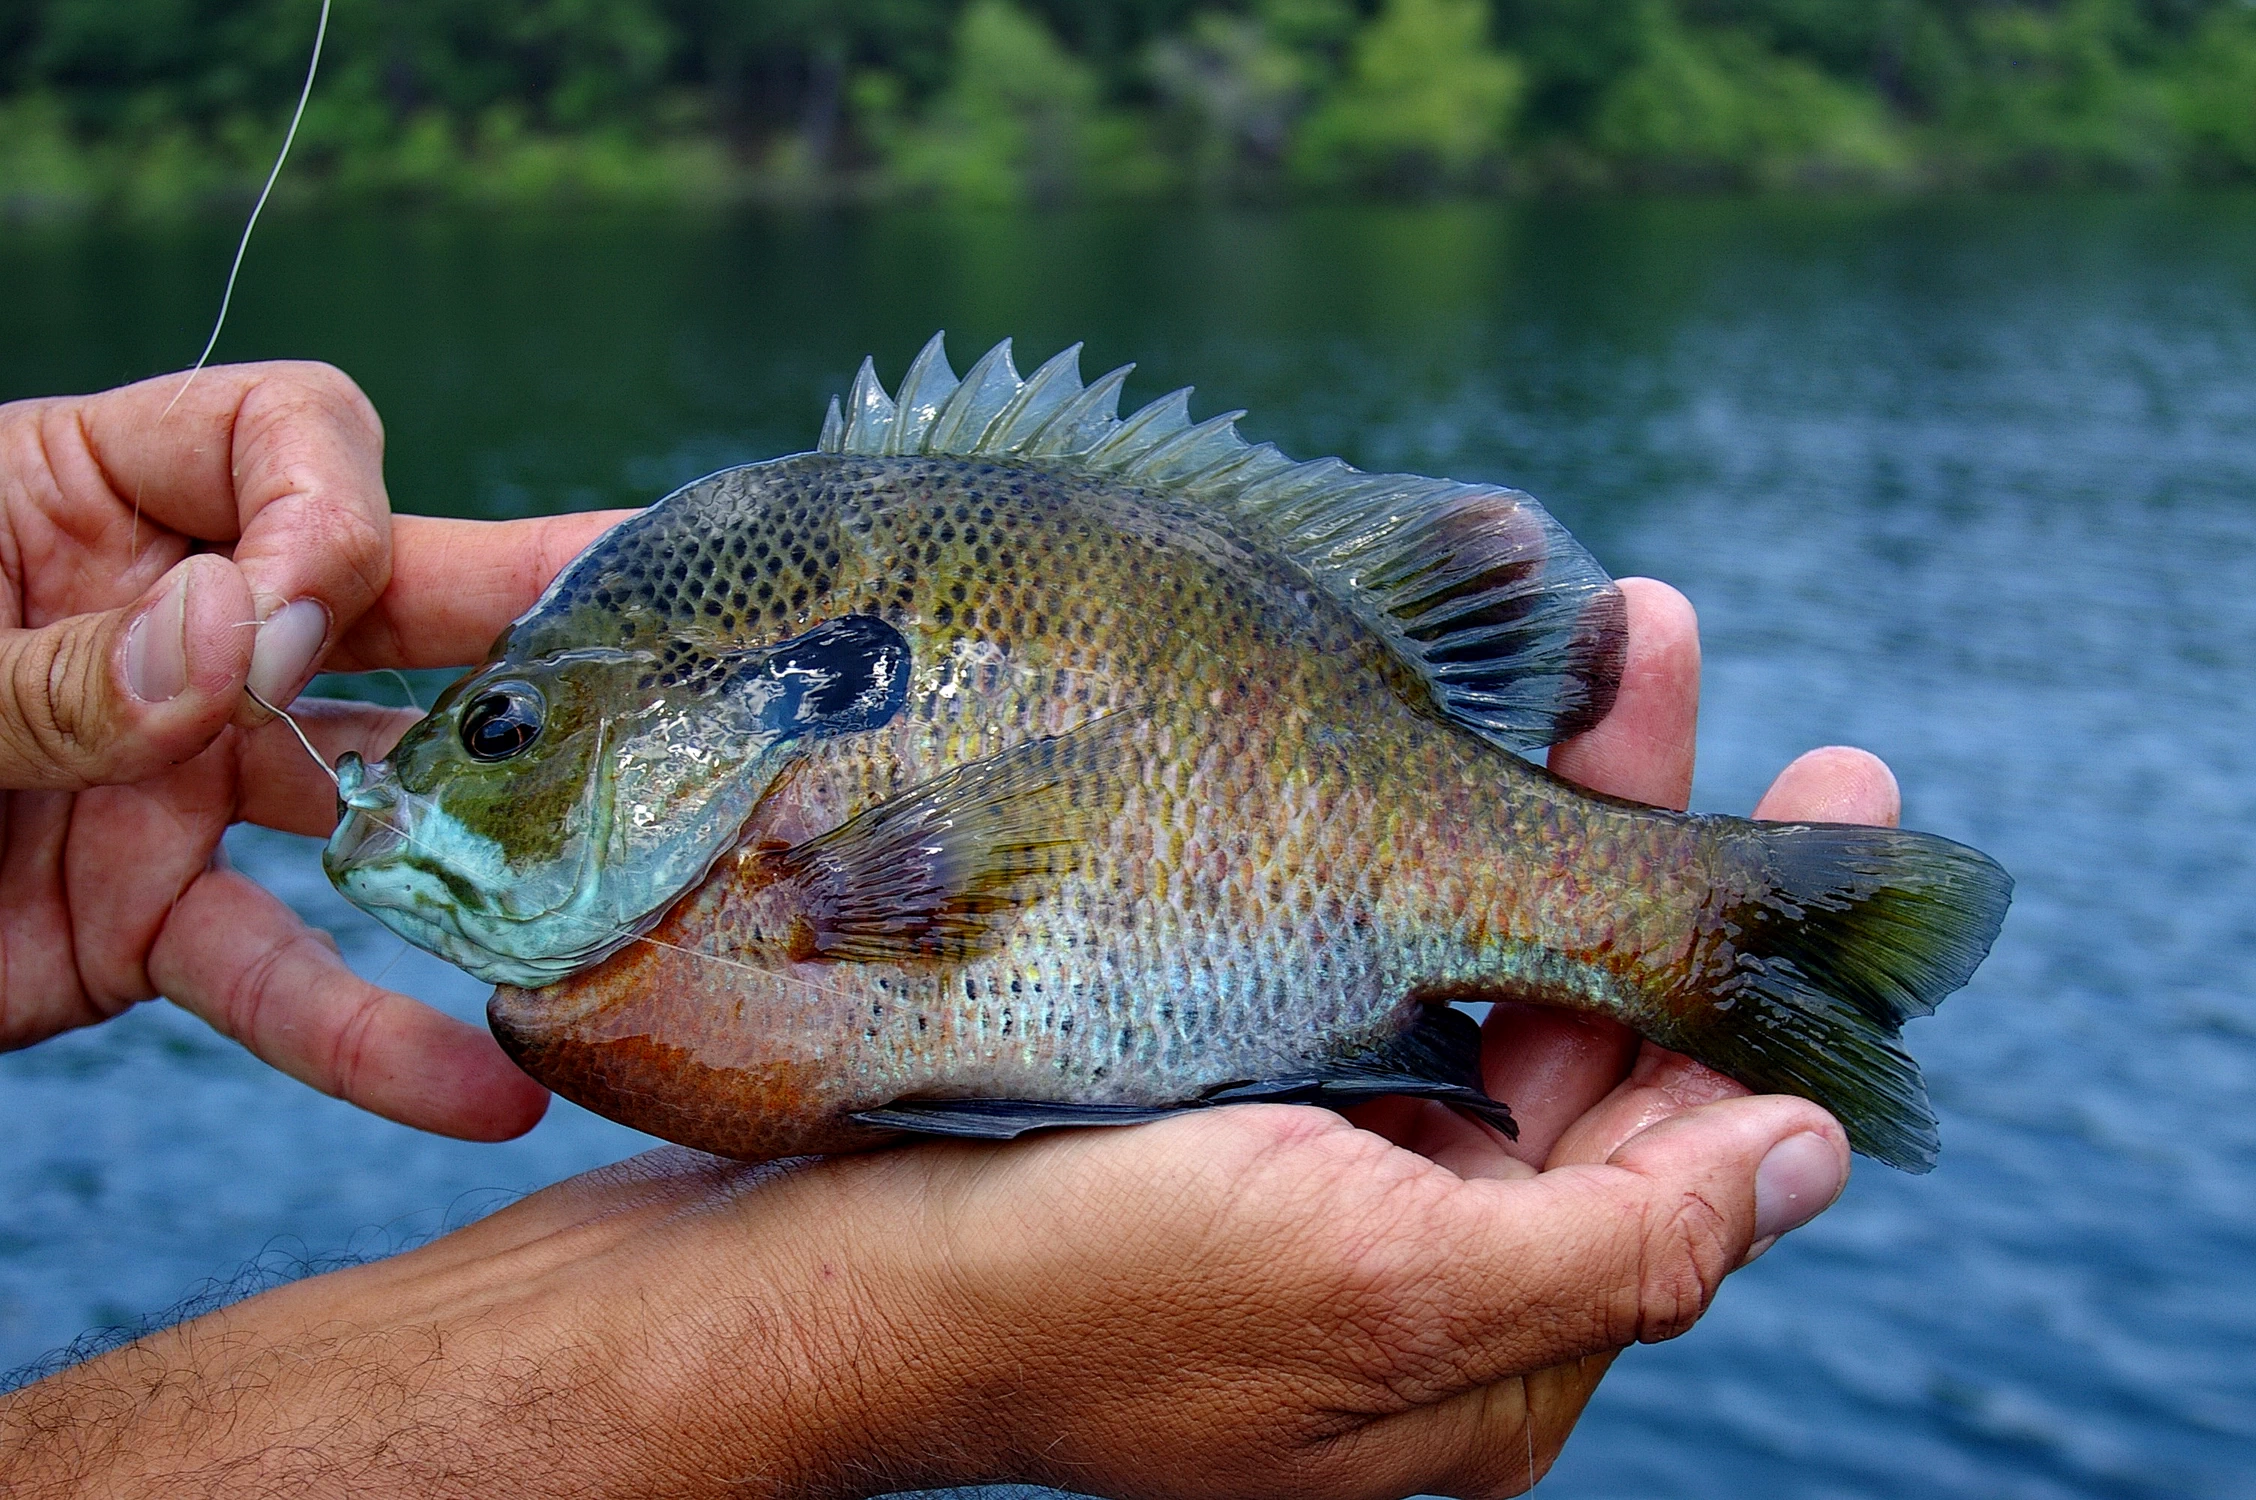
(284, 715)
(227, 296)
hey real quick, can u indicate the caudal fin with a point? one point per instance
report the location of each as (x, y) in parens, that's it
(1859, 930)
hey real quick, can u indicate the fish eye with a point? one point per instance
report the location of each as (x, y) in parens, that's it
(502, 721)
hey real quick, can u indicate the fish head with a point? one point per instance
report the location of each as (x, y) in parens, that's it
(548, 810)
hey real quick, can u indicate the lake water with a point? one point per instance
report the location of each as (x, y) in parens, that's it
(1970, 483)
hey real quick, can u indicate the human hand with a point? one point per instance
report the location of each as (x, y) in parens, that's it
(1259, 1300)
(152, 562)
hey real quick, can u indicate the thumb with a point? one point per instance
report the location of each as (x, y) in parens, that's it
(116, 697)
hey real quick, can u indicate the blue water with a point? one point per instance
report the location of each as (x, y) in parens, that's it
(1972, 484)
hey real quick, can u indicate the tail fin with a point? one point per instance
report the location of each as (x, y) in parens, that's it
(1859, 930)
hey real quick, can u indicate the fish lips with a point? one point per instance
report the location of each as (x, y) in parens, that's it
(417, 897)
(402, 859)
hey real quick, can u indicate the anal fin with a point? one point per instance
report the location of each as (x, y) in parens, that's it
(1437, 1058)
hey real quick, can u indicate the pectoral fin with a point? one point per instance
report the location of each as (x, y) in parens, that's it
(935, 872)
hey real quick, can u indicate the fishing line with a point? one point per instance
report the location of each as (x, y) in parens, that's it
(227, 293)
(390, 964)
(407, 689)
(284, 715)
(1527, 1426)
(227, 296)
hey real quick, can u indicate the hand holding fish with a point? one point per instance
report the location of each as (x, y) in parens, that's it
(157, 559)
(1242, 1302)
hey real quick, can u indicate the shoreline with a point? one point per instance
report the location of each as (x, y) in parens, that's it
(619, 187)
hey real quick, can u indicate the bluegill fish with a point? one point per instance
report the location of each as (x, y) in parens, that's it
(1003, 763)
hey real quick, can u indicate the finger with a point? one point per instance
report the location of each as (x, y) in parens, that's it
(1550, 1066)
(285, 461)
(1495, 1440)
(239, 958)
(1465, 1146)
(1834, 785)
(46, 987)
(1643, 748)
(283, 788)
(117, 696)
(456, 585)
(1622, 1252)
(1660, 1084)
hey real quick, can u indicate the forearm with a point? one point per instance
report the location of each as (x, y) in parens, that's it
(593, 1360)
(226, 1407)
(222, 1407)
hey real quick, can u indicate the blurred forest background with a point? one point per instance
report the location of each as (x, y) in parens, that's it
(152, 106)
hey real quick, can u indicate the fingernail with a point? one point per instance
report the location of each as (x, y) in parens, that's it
(284, 649)
(156, 646)
(1800, 1176)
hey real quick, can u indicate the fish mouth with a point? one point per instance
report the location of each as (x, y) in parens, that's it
(400, 857)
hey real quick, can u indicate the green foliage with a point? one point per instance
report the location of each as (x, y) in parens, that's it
(1715, 105)
(2215, 97)
(1232, 89)
(1427, 101)
(2055, 95)
(161, 105)
(1017, 120)
(1573, 49)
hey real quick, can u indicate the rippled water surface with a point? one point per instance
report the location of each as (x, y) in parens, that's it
(1973, 485)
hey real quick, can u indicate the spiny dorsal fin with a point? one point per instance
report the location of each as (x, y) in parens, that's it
(1515, 630)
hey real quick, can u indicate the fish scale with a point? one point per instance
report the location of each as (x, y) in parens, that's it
(1004, 764)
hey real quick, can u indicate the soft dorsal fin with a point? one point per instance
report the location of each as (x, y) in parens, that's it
(1514, 629)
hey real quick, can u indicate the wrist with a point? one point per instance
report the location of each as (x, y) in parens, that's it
(840, 1313)
(744, 1339)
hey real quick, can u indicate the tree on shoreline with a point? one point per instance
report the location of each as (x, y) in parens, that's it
(157, 104)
